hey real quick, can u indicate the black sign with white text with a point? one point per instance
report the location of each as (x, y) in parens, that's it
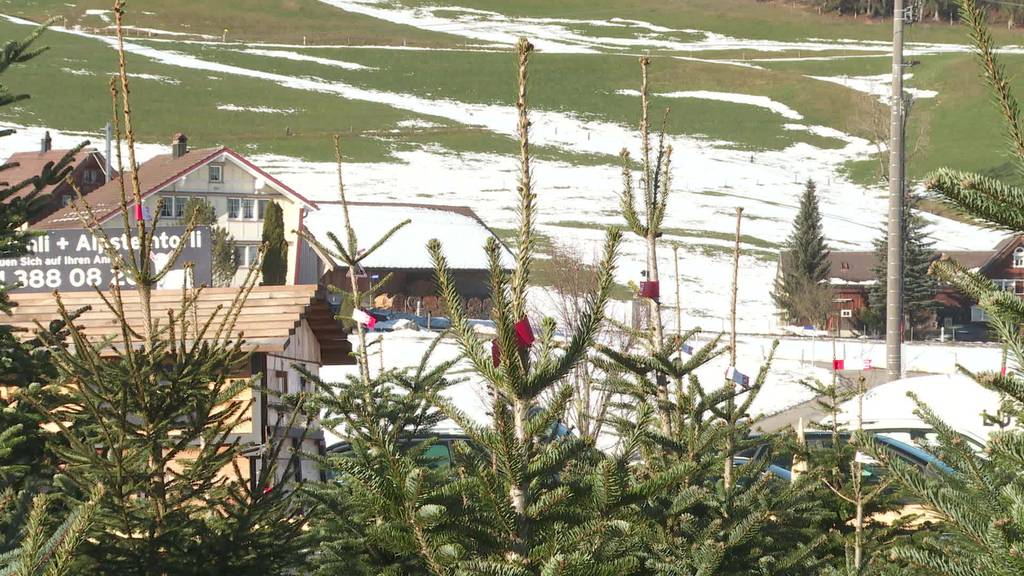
(75, 260)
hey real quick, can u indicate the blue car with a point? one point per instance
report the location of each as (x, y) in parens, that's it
(781, 462)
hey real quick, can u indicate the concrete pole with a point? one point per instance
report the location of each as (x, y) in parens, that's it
(108, 134)
(894, 272)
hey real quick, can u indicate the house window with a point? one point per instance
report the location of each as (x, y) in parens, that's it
(66, 200)
(92, 176)
(1018, 257)
(845, 265)
(245, 254)
(216, 173)
(244, 209)
(173, 206)
(261, 208)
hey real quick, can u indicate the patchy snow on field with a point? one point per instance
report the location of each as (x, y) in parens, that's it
(76, 71)
(154, 77)
(287, 54)
(259, 109)
(879, 85)
(749, 99)
(101, 14)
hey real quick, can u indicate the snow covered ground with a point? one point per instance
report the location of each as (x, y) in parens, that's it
(793, 364)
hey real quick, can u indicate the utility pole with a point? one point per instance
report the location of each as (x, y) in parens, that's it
(894, 272)
(108, 135)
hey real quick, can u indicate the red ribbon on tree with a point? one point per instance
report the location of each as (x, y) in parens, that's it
(495, 353)
(650, 289)
(838, 364)
(138, 212)
(524, 333)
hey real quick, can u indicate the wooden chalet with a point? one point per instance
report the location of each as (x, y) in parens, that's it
(853, 274)
(404, 256)
(283, 327)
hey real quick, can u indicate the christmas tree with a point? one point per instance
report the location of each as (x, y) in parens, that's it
(801, 290)
(31, 540)
(919, 288)
(693, 507)
(978, 502)
(149, 415)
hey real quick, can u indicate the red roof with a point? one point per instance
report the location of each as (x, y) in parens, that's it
(31, 164)
(154, 175)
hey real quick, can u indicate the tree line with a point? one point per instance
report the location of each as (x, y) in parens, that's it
(935, 10)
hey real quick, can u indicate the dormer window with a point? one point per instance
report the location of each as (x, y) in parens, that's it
(216, 173)
(1018, 257)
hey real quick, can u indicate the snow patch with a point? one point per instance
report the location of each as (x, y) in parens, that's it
(879, 85)
(155, 77)
(417, 123)
(306, 58)
(102, 14)
(749, 99)
(77, 71)
(260, 109)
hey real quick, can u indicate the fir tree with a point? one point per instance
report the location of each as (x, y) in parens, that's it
(222, 250)
(518, 502)
(801, 291)
(919, 288)
(673, 477)
(275, 257)
(148, 416)
(224, 263)
(30, 542)
(527, 506)
(978, 504)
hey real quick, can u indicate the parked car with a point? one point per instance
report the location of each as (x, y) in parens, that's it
(781, 460)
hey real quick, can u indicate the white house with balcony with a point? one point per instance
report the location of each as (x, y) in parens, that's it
(238, 190)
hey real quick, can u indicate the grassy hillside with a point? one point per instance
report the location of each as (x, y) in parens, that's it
(265, 115)
(288, 21)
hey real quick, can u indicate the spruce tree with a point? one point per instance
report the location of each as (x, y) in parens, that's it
(979, 503)
(518, 502)
(919, 288)
(31, 540)
(275, 257)
(673, 477)
(801, 290)
(222, 250)
(148, 416)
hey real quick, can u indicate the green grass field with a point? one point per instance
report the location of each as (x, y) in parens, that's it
(958, 127)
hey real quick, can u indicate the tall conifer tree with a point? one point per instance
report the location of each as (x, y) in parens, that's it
(919, 288)
(801, 288)
(149, 416)
(275, 257)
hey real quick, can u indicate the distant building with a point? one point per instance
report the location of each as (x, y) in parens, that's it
(237, 189)
(88, 173)
(283, 327)
(853, 274)
(404, 256)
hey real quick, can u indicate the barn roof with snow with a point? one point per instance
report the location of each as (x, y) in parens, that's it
(461, 232)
